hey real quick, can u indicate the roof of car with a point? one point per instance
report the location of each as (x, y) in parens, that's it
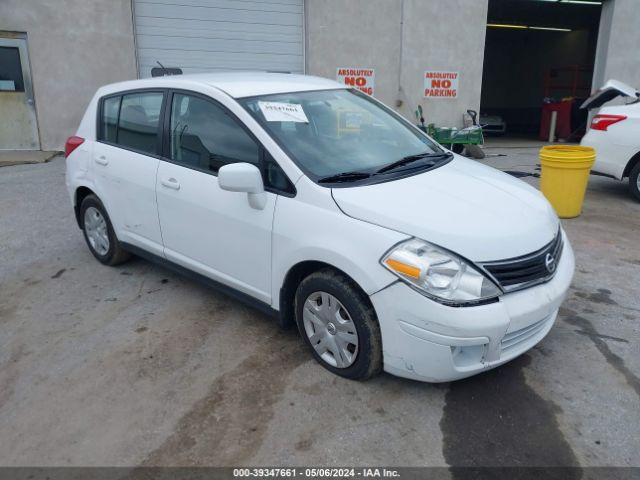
(238, 84)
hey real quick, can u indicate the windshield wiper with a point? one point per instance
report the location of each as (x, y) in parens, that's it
(345, 177)
(410, 159)
(354, 176)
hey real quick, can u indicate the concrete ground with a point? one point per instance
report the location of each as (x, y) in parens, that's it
(135, 365)
(23, 157)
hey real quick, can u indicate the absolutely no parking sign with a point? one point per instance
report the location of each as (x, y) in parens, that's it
(361, 78)
(440, 84)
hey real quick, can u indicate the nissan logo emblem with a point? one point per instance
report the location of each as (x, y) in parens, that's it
(550, 263)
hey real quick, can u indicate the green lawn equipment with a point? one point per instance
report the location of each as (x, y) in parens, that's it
(455, 139)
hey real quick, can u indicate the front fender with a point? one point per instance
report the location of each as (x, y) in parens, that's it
(329, 236)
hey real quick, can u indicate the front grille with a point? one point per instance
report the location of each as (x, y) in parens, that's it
(511, 341)
(521, 272)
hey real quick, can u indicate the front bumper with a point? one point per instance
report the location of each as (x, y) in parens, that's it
(425, 340)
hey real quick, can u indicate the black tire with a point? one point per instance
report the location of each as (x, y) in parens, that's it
(457, 148)
(115, 255)
(368, 358)
(633, 181)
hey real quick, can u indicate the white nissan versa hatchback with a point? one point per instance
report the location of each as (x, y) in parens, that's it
(320, 204)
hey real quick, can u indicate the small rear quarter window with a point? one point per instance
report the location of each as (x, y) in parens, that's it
(109, 121)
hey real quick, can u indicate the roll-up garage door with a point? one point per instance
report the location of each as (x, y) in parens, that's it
(219, 35)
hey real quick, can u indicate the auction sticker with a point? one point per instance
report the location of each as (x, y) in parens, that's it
(283, 112)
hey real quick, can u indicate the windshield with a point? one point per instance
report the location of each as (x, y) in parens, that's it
(333, 132)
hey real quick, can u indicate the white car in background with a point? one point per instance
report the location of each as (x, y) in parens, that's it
(615, 134)
(493, 124)
(322, 206)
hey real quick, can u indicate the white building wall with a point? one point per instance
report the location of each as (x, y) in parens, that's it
(618, 39)
(433, 35)
(75, 46)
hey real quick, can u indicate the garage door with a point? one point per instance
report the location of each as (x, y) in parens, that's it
(219, 35)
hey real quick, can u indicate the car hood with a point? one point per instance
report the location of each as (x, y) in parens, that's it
(476, 211)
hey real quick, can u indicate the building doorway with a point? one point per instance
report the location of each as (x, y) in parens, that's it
(539, 57)
(18, 123)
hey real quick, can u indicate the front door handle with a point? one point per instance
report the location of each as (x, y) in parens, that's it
(171, 183)
(101, 160)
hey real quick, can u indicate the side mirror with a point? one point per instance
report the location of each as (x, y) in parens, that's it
(244, 177)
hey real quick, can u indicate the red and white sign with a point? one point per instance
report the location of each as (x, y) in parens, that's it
(361, 78)
(438, 84)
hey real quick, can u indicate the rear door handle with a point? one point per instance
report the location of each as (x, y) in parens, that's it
(101, 160)
(171, 183)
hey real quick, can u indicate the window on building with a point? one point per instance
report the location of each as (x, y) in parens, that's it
(10, 70)
(139, 120)
(205, 136)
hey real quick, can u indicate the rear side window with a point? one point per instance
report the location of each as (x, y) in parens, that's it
(110, 110)
(132, 121)
(139, 120)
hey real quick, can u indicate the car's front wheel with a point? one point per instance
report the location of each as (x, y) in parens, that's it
(99, 234)
(339, 324)
(634, 181)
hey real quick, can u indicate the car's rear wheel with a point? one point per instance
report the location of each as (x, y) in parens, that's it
(634, 181)
(339, 324)
(99, 234)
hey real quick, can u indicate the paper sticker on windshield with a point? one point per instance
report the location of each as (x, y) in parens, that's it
(352, 120)
(283, 112)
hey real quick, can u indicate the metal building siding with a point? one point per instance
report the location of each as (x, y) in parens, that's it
(218, 35)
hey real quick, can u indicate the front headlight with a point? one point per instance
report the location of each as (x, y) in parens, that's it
(439, 274)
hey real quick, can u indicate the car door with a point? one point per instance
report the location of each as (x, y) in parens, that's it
(125, 162)
(204, 228)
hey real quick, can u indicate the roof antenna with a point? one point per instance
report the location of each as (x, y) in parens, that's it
(164, 70)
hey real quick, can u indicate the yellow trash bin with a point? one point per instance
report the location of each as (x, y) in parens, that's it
(565, 174)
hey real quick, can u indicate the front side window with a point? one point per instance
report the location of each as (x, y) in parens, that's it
(274, 176)
(204, 136)
(139, 120)
(338, 132)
